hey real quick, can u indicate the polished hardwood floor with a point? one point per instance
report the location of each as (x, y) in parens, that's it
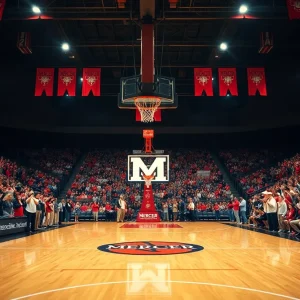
(66, 264)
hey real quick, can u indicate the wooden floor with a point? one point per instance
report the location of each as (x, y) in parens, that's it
(66, 264)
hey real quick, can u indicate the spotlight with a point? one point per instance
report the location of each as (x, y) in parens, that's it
(36, 9)
(81, 79)
(243, 9)
(65, 46)
(223, 46)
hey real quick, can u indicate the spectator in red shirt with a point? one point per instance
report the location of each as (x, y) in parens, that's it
(236, 209)
(217, 210)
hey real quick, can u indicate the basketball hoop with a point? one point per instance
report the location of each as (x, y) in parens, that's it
(147, 106)
(148, 179)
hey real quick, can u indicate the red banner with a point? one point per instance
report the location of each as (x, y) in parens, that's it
(66, 81)
(2, 5)
(91, 81)
(293, 7)
(44, 81)
(157, 116)
(24, 42)
(256, 81)
(227, 81)
(203, 81)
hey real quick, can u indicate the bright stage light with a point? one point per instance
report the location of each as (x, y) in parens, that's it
(223, 46)
(36, 9)
(65, 46)
(243, 9)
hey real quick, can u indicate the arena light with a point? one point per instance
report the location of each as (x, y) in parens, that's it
(243, 9)
(223, 46)
(81, 79)
(65, 47)
(36, 9)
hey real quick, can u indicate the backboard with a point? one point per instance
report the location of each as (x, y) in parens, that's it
(132, 87)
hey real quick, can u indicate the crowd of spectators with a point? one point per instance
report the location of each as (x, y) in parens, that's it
(57, 161)
(240, 162)
(20, 185)
(262, 178)
(282, 198)
(193, 173)
(253, 171)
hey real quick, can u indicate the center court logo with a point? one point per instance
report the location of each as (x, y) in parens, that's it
(150, 248)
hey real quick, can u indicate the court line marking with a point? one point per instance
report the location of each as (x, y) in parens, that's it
(63, 270)
(167, 281)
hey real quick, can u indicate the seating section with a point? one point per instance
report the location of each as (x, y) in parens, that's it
(240, 162)
(19, 181)
(57, 161)
(192, 173)
(252, 182)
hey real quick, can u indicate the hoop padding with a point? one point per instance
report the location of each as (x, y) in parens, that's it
(147, 107)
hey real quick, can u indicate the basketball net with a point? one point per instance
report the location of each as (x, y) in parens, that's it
(147, 107)
(148, 180)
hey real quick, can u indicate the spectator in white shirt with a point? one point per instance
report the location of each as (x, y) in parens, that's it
(271, 210)
(281, 212)
(31, 211)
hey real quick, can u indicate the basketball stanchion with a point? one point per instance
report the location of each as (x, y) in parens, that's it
(148, 212)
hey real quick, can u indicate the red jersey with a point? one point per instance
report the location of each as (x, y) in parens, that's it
(236, 205)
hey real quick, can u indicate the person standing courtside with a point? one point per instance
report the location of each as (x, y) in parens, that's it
(191, 209)
(31, 202)
(236, 209)
(243, 208)
(271, 210)
(123, 208)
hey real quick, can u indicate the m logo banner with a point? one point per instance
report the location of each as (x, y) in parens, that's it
(157, 165)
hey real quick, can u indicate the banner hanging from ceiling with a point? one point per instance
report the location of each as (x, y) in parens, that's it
(227, 81)
(44, 81)
(66, 81)
(203, 81)
(91, 78)
(256, 81)
(2, 6)
(293, 7)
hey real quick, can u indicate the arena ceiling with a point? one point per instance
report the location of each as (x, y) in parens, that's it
(103, 34)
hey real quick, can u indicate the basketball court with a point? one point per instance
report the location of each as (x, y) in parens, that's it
(67, 264)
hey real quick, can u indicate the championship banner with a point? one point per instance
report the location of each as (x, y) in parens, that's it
(44, 81)
(266, 42)
(157, 116)
(203, 81)
(293, 7)
(227, 81)
(91, 81)
(256, 81)
(24, 42)
(2, 5)
(66, 81)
